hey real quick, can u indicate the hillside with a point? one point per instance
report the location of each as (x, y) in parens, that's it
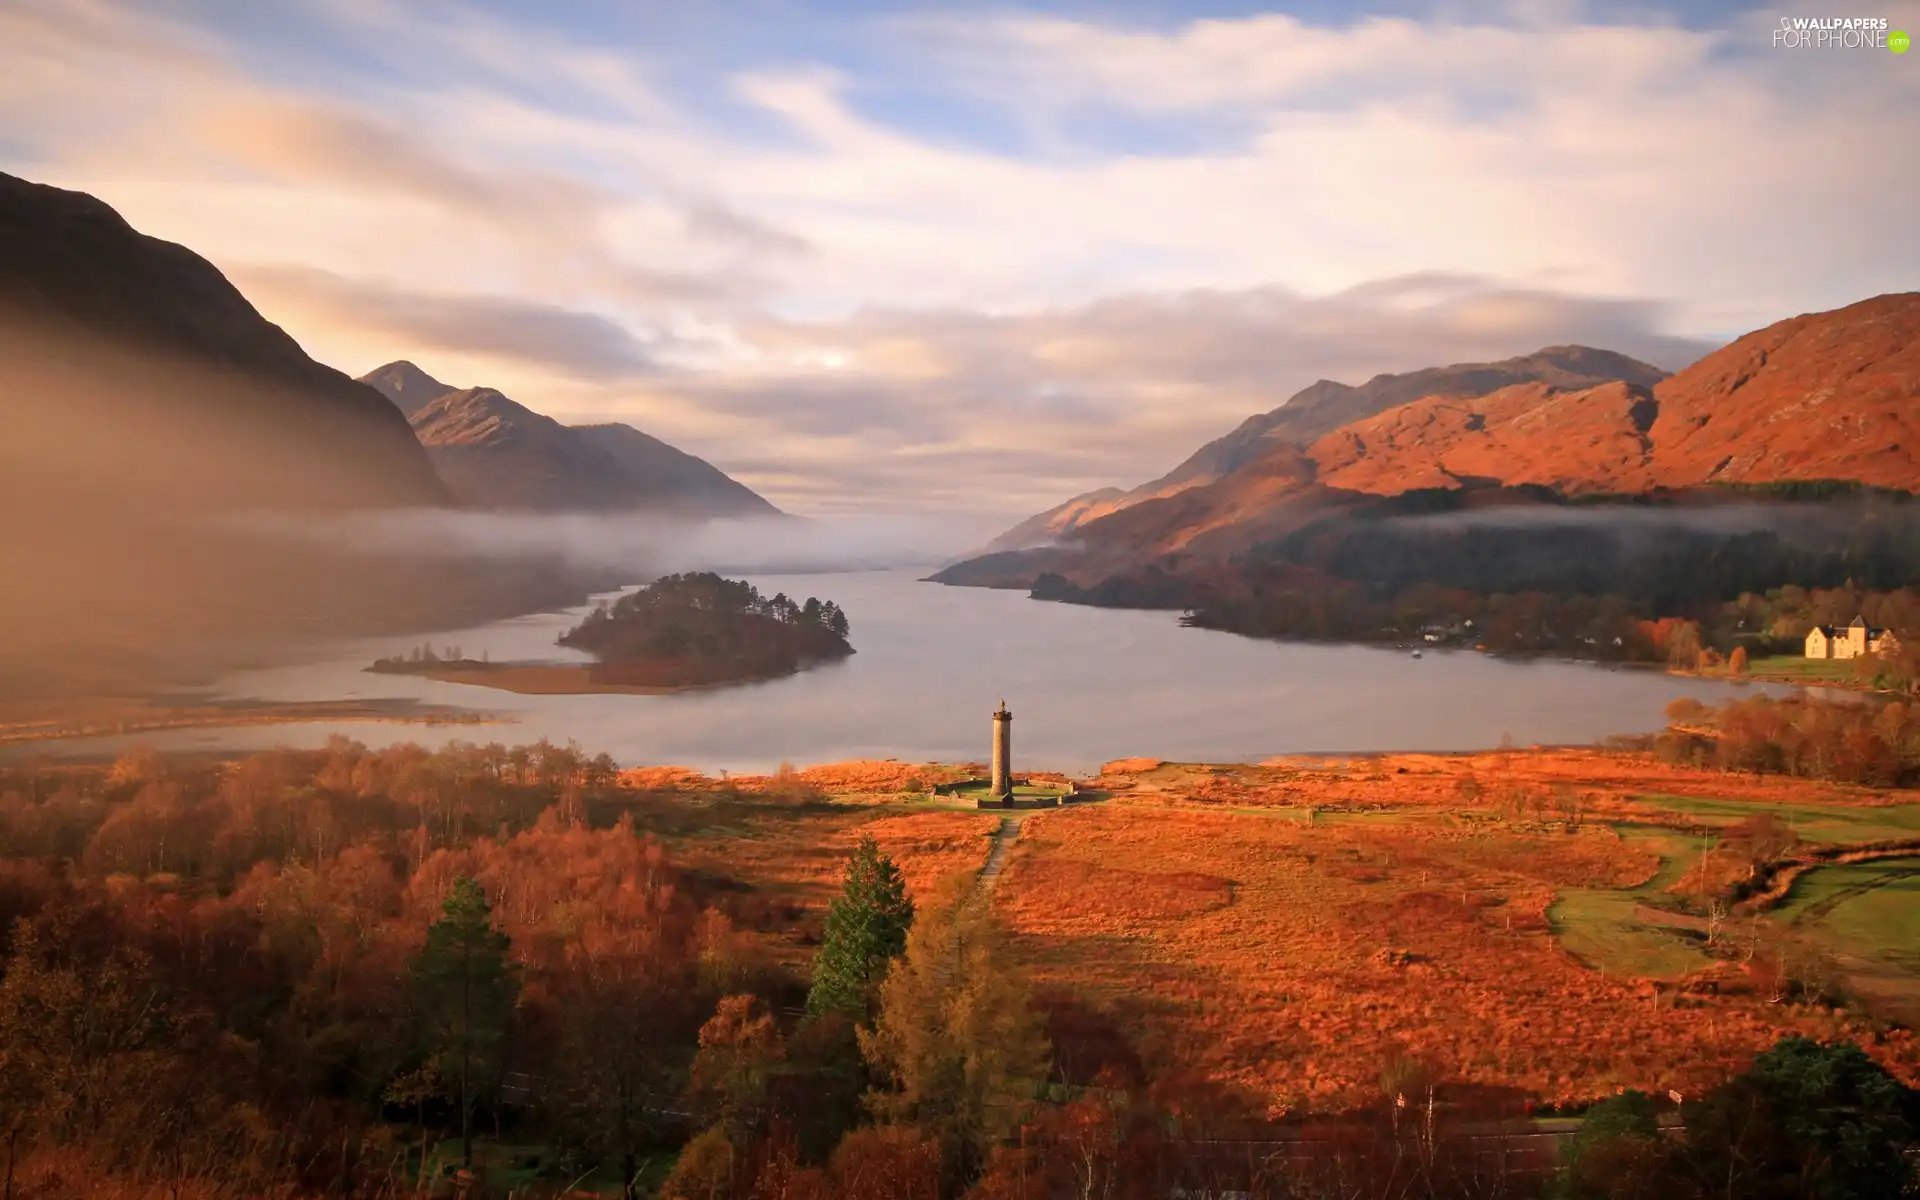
(496, 453)
(1822, 396)
(157, 426)
(1325, 406)
(135, 361)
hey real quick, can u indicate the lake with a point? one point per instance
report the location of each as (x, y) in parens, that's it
(1086, 685)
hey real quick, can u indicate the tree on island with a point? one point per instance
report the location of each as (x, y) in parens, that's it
(866, 930)
(464, 989)
(701, 628)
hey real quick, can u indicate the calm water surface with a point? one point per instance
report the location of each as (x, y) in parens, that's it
(1086, 685)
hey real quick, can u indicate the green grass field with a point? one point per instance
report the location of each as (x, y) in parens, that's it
(1599, 927)
(1020, 792)
(1789, 668)
(1868, 908)
(1831, 824)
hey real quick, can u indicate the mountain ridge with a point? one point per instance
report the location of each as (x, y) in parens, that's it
(1322, 407)
(498, 453)
(1820, 397)
(132, 324)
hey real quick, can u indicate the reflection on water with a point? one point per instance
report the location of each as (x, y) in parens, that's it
(1085, 685)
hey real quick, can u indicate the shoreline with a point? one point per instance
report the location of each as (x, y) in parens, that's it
(553, 679)
(538, 680)
(121, 718)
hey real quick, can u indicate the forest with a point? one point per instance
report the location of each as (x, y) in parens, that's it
(1527, 571)
(702, 628)
(403, 973)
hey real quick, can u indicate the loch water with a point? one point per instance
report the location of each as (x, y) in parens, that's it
(1085, 685)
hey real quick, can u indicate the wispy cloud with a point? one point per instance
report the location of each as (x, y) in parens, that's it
(578, 344)
(931, 260)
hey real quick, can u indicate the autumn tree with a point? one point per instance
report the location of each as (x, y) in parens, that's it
(739, 1048)
(958, 1041)
(705, 1169)
(866, 929)
(1737, 661)
(464, 989)
(35, 1083)
(1683, 645)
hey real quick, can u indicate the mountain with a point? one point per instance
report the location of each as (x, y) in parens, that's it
(1825, 396)
(162, 440)
(107, 331)
(407, 386)
(1831, 396)
(1325, 406)
(497, 453)
(693, 482)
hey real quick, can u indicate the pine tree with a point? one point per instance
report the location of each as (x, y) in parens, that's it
(464, 988)
(866, 929)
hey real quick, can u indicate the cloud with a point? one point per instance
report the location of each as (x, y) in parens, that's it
(578, 344)
(916, 262)
(714, 220)
(1019, 410)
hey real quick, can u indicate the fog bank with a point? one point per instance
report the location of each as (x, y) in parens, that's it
(637, 544)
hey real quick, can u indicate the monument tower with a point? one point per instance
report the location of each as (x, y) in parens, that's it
(1002, 751)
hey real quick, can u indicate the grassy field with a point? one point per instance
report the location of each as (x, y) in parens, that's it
(1872, 908)
(1020, 792)
(1791, 668)
(1826, 823)
(1603, 929)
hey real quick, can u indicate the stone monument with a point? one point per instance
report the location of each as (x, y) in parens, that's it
(1002, 753)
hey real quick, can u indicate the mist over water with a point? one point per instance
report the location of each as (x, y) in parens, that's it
(646, 544)
(1086, 685)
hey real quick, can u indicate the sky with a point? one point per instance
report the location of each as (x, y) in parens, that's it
(894, 259)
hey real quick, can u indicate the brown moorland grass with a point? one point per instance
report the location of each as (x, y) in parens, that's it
(1436, 779)
(1344, 946)
(786, 859)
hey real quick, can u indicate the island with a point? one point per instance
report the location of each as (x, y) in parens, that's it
(678, 632)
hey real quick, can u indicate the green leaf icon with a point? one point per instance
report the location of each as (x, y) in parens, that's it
(1898, 41)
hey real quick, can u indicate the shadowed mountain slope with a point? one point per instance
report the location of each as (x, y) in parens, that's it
(497, 453)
